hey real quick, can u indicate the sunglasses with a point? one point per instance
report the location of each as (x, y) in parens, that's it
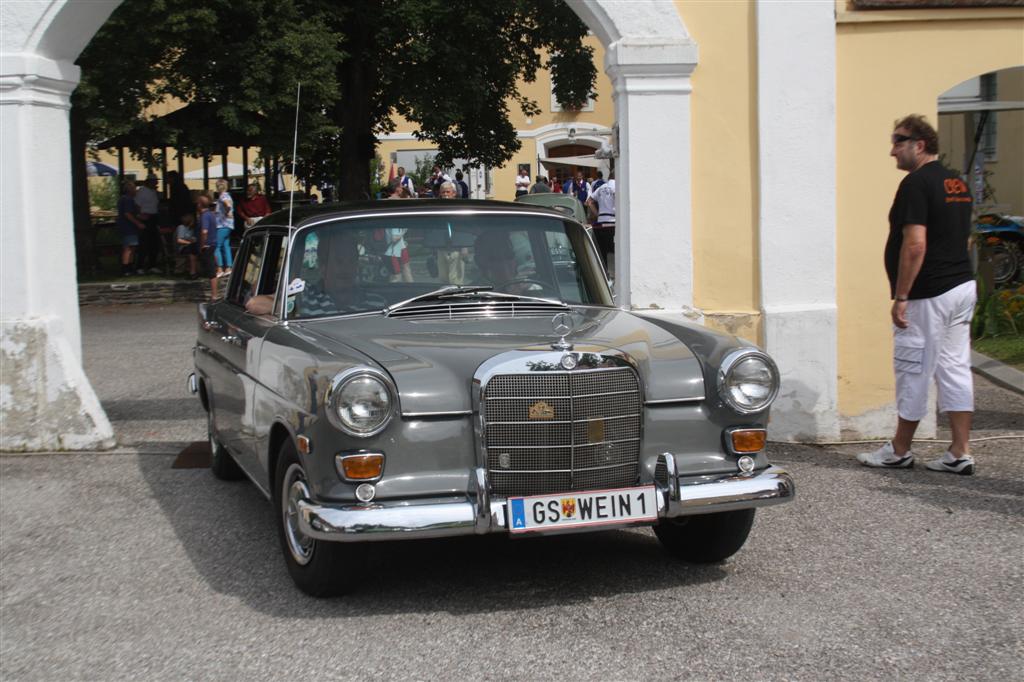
(897, 138)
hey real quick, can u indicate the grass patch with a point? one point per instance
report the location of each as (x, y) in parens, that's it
(1006, 349)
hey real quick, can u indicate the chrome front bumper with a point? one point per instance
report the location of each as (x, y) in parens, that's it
(477, 514)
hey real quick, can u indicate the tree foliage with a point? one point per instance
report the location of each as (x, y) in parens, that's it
(450, 68)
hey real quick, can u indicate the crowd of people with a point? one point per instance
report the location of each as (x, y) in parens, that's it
(198, 227)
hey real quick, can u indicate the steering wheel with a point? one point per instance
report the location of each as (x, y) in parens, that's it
(375, 299)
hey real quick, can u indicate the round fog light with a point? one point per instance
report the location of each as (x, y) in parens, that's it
(746, 464)
(365, 492)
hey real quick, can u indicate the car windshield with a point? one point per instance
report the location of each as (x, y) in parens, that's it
(368, 264)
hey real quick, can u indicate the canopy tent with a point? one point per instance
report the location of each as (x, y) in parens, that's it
(589, 161)
(196, 125)
(97, 169)
(199, 119)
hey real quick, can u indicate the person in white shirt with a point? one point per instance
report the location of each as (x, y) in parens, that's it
(522, 182)
(603, 201)
(406, 182)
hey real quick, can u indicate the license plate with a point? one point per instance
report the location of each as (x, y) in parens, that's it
(583, 509)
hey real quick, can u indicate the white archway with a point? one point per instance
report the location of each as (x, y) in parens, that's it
(46, 402)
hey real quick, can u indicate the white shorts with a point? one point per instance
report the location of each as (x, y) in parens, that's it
(937, 343)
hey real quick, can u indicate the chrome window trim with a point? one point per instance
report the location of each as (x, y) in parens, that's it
(340, 380)
(294, 232)
(730, 361)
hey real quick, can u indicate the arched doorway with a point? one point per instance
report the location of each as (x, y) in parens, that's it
(47, 402)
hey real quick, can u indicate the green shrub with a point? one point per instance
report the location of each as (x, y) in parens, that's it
(103, 193)
(998, 312)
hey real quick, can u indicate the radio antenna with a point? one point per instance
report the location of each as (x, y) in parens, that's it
(295, 144)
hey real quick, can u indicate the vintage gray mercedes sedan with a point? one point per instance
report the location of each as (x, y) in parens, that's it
(419, 369)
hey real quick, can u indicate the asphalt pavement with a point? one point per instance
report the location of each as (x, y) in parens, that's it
(116, 566)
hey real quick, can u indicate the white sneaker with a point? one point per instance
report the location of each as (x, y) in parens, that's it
(886, 458)
(963, 465)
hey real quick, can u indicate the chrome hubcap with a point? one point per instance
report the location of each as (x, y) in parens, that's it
(294, 489)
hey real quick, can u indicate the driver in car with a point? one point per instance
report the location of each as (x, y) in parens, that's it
(496, 260)
(338, 290)
(338, 259)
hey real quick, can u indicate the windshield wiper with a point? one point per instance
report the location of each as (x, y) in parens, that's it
(443, 292)
(472, 291)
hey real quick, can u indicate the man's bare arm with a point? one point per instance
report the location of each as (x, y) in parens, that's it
(911, 258)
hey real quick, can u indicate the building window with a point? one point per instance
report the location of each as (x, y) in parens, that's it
(988, 144)
(557, 107)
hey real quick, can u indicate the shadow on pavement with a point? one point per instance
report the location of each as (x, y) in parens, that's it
(228, 532)
(998, 487)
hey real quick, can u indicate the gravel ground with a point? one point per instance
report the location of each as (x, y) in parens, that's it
(116, 566)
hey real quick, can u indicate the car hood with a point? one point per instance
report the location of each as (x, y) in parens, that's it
(433, 361)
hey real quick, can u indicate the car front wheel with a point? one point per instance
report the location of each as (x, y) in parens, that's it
(705, 538)
(320, 569)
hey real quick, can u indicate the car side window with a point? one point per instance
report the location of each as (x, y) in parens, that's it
(246, 286)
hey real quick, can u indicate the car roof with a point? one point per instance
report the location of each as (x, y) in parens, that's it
(302, 215)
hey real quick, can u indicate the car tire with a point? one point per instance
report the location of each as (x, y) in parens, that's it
(318, 568)
(222, 464)
(705, 538)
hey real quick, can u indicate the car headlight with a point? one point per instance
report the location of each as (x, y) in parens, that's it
(360, 402)
(748, 380)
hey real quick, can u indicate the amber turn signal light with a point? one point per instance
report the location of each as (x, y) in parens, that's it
(748, 440)
(362, 467)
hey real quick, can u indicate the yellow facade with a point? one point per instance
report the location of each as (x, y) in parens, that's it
(886, 69)
(725, 162)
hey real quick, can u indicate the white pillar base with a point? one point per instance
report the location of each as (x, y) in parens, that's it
(803, 344)
(46, 402)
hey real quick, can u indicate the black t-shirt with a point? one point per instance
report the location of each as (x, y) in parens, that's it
(936, 198)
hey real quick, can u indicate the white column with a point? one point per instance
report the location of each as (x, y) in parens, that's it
(796, 127)
(46, 402)
(654, 231)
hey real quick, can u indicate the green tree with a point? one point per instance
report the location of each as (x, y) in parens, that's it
(450, 68)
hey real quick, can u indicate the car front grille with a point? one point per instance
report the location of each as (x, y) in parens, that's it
(553, 431)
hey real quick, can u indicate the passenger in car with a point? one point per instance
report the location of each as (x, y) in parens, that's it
(495, 258)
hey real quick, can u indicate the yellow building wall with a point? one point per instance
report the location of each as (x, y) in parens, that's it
(886, 69)
(725, 164)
